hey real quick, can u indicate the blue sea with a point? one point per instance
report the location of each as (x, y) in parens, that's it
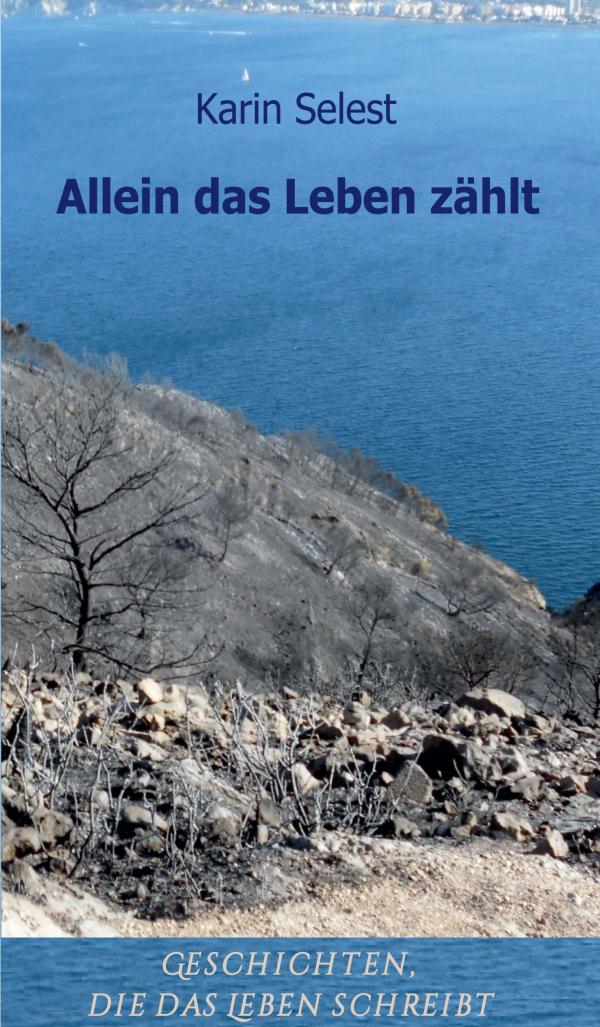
(462, 352)
(534, 983)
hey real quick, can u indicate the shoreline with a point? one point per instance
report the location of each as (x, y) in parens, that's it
(386, 19)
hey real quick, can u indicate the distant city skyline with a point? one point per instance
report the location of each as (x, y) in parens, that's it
(563, 12)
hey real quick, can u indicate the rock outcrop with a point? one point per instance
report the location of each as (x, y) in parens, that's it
(222, 796)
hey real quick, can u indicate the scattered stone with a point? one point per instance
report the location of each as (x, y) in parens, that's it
(442, 757)
(529, 789)
(53, 827)
(304, 780)
(262, 834)
(402, 827)
(224, 826)
(25, 879)
(411, 784)
(268, 813)
(552, 843)
(328, 732)
(356, 715)
(494, 700)
(18, 842)
(461, 831)
(395, 720)
(133, 816)
(571, 785)
(297, 842)
(150, 690)
(517, 827)
(364, 779)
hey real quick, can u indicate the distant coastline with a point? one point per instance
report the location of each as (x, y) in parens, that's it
(426, 12)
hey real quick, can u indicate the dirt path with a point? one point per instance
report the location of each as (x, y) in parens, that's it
(471, 891)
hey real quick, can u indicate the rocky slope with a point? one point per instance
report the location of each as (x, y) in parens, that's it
(167, 804)
(295, 567)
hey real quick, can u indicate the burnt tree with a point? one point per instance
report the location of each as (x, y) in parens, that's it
(99, 534)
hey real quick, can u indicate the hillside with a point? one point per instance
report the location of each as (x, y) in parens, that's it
(251, 676)
(288, 568)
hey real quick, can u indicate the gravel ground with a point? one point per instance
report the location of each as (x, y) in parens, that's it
(477, 890)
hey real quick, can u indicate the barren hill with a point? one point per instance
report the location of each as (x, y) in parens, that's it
(289, 564)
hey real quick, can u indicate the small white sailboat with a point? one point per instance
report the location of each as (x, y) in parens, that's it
(245, 75)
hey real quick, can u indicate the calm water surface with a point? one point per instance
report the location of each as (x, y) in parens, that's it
(462, 352)
(535, 982)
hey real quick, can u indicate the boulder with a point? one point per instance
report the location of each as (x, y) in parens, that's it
(150, 690)
(267, 813)
(459, 717)
(593, 786)
(171, 693)
(53, 827)
(262, 834)
(411, 784)
(552, 843)
(355, 715)
(133, 816)
(18, 842)
(402, 827)
(530, 789)
(397, 756)
(303, 779)
(517, 827)
(395, 720)
(571, 785)
(224, 826)
(100, 799)
(26, 880)
(442, 757)
(328, 732)
(513, 762)
(493, 700)
(278, 726)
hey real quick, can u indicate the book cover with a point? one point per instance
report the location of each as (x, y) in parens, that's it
(301, 512)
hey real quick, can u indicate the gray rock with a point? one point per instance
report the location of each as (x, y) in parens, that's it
(26, 880)
(53, 827)
(224, 826)
(442, 757)
(150, 690)
(18, 842)
(304, 781)
(517, 827)
(133, 816)
(552, 843)
(267, 813)
(262, 834)
(494, 700)
(571, 785)
(411, 784)
(395, 720)
(328, 732)
(529, 789)
(402, 827)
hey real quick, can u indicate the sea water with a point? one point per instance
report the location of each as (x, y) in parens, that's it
(462, 352)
